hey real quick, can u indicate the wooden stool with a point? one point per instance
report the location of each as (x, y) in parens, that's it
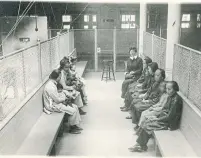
(107, 68)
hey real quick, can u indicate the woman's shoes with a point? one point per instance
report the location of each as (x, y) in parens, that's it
(125, 110)
(128, 117)
(138, 148)
(136, 128)
(82, 112)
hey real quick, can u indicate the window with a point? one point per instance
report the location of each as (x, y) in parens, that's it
(66, 26)
(86, 26)
(185, 25)
(94, 26)
(198, 17)
(186, 17)
(198, 20)
(128, 21)
(185, 21)
(94, 18)
(66, 18)
(86, 18)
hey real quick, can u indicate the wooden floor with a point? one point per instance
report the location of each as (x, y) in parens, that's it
(106, 131)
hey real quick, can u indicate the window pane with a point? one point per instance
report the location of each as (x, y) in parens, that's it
(185, 25)
(123, 26)
(86, 18)
(66, 18)
(186, 17)
(198, 17)
(132, 25)
(123, 18)
(86, 26)
(198, 25)
(94, 26)
(127, 17)
(94, 18)
(132, 17)
(66, 26)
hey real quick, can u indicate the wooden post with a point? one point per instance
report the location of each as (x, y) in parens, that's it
(96, 55)
(40, 62)
(152, 42)
(114, 48)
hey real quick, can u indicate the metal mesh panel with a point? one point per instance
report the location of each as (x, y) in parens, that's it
(71, 41)
(31, 64)
(54, 52)
(63, 45)
(181, 68)
(24, 71)
(159, 51)
(194, 93)
(12, 85)
(163, 53)
(147, 44)
(105, 42)
(45, 59)
(124, 40)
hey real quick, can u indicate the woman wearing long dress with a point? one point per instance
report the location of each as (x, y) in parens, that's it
(134, 70)
(168, 118)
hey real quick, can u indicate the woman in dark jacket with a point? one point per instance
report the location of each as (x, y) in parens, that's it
(149, 80)
(143, 77)
(168, 118)
(134, 70)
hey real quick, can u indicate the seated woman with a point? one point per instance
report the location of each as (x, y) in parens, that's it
(65, 79)
(155, 109)
(55, 102)
(150, 98)
(78, 81)
(134, 70)
(144, 75)
(168, 118)
(149, 80)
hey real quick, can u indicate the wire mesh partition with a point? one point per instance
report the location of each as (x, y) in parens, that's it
(84, 41)
(125, 38)
(105, 41)
(187, 72)
(24, 70)
(155, 48)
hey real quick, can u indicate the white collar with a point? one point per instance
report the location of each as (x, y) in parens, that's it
(135, 57)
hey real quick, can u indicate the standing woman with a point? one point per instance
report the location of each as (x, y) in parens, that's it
(65, 76)
(134, 70)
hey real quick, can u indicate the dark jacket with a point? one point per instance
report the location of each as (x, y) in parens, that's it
(153, 93)
(148, 82)
(135, 65)
(143, 76)
(171, 112)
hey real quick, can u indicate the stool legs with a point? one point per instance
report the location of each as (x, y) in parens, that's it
(108, 69)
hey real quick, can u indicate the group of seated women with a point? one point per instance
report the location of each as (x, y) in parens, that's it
(65, 92)
(152, 102)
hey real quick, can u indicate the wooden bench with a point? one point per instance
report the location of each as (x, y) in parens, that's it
(42, 137)
(172, 144)
(184, 142)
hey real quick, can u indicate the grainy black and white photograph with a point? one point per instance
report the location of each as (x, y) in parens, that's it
(100, 78)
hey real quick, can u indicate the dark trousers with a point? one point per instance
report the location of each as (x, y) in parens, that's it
(128, 99)
(124, 87)
(143, 138)
(135, 115)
